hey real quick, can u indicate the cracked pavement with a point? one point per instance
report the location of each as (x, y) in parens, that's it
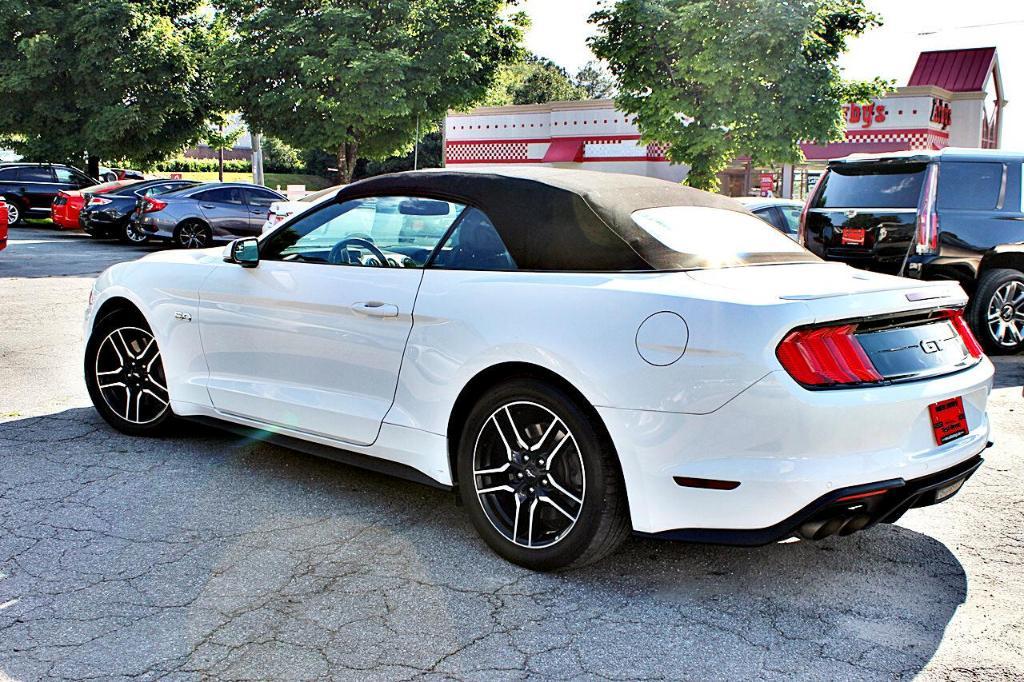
(208, 556)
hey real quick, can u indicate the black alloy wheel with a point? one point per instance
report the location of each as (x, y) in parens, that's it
(193, 234)
(125, 376)
(540, 479)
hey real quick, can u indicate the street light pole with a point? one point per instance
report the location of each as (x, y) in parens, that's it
(416, 147)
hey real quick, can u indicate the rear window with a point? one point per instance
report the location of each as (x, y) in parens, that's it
(872, 187)
(704, 237)
(970, 186)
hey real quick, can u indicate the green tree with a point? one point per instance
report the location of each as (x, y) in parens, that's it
(534, 80)
(114, 79)
(222, 134)
(719, 78)
(595, 80)
(353, 76)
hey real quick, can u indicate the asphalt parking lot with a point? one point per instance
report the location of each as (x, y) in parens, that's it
(207, 556)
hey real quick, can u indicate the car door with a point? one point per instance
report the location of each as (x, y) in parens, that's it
(259, 201)
(36, 187)
(312, 338)
(225, 210)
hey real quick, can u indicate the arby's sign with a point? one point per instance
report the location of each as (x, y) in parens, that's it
(864, 115)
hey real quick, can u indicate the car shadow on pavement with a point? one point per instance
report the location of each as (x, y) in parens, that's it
(209, 555)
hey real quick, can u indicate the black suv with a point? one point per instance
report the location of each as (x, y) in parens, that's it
(953, 214)
(31, 187)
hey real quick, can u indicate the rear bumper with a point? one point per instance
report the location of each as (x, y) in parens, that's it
(788, 447)
(99, 224)
(65, 217)
(843, 511)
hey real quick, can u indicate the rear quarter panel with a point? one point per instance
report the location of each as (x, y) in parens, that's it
(583, 327)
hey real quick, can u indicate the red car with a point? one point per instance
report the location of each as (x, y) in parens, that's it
(68, 202)
(3, 224)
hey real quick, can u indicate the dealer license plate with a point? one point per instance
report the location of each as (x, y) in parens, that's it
(948, 420)
(853, 235)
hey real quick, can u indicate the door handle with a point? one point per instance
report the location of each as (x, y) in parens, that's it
(375, 309)
(208, 206)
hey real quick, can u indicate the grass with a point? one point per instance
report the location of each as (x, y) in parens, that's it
(272, 180)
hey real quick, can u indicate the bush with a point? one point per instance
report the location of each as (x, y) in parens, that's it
(280, 158)
(183, 165)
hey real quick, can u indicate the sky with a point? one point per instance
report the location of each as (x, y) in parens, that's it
(559, 31)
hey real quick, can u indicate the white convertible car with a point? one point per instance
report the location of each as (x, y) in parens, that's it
(578, 355)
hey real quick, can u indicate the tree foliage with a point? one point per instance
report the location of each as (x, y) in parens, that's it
(595, 80)
(719, 78)
(533, 80)
(353, 76)
(117, 79)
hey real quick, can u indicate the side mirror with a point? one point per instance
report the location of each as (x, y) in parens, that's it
(244, 252)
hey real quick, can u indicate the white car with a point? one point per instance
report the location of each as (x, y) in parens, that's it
(282, 210)
(577, 355)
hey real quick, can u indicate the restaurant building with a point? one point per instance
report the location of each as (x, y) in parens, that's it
(952, 98)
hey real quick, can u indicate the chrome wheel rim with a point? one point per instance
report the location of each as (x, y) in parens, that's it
(135, 235)
(192, 236)
(1005, 314)
(528, 474)
(130, 375)
(12, 213)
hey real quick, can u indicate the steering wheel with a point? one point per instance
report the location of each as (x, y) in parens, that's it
(335, 258)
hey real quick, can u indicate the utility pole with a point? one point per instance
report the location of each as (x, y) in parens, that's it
(257, 159)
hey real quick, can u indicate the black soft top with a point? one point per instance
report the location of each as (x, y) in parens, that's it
(557, 219)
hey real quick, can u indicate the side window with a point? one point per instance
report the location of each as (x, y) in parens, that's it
(65, 175)
(257, 197)
(791, 214)
(770, 216)
(970, 186)
(8, 173)
(222, 195)
(403, 231)
(35, 174)
(474, 245)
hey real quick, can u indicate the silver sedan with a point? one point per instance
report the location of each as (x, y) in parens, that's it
(199, 216)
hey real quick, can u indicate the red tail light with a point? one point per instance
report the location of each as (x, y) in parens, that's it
(956, 318)
(826, 356)
(98, 201)
(927, 216)
(151, 205)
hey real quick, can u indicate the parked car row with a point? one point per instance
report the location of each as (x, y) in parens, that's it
(108, 214)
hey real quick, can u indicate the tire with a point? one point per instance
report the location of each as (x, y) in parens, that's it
(193, 234)
(576, 473)
(130, 235)
(133, 399)
(996, 312)
(15, 212)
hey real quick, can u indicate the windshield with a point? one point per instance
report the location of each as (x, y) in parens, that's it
(699, 237)
(876, 186)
